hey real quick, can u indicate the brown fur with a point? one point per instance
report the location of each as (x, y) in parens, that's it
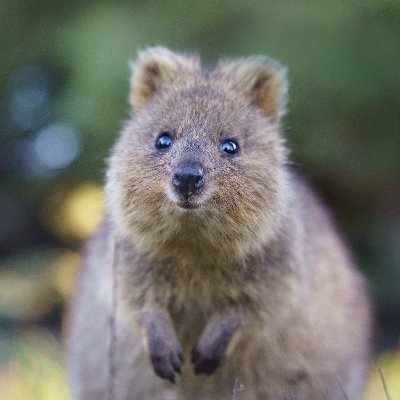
(253, 285)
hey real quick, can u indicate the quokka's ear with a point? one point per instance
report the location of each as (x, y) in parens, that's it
(260, 79)
(157, 67)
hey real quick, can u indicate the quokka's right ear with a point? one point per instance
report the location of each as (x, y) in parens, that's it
(156, 68)
(262, 80)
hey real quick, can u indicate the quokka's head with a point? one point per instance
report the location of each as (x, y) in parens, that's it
(202, 149)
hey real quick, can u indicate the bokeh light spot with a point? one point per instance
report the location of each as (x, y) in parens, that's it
(57, 146)
(73, 214)
(30, 88)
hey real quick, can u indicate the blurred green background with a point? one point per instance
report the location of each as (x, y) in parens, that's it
(63, 89)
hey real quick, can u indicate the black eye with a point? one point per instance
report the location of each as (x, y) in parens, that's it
(230, 147)
(163, 141)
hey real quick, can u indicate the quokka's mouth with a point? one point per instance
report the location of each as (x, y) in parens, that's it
(194, 201)
(188, 204)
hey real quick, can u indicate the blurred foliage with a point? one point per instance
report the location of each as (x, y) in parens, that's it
(35, 371)
(63, 86)
(384, 382)
(36, 283)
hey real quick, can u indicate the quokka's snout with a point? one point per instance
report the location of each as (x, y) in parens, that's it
(188, 179)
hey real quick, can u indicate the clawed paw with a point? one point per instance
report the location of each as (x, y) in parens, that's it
(204, 363)
(167, 364)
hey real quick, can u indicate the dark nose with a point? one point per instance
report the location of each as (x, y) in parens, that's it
(188, 179)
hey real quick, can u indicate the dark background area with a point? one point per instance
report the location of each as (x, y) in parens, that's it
(64, 74)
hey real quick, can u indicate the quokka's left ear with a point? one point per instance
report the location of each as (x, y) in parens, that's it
(261, 79)
(156, 68)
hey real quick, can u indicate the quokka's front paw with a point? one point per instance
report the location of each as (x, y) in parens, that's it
(166, 354)
(213, 343)
(166, 360)
(205, 362)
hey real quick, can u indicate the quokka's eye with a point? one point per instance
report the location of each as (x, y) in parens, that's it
(164, 141)
(229, 147)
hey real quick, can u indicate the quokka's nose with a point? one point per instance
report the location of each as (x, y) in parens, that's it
(188, 179)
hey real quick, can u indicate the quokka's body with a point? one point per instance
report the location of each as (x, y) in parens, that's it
(223, 265)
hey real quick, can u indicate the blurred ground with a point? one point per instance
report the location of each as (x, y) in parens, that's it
(63, 89)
